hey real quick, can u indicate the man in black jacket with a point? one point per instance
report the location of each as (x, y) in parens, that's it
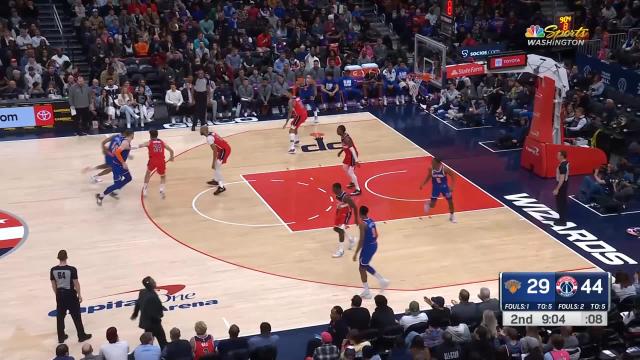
(357, 317)
(151, 311)
(383, 316)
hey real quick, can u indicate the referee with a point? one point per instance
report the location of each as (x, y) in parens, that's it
(560, 191)
(64, 281)
(202, 95)
(151, 311)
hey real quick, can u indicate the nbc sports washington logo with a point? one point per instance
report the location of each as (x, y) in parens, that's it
(13, 232)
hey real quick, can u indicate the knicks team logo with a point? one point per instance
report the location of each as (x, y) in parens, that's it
(512, 286)
(320, 145)
(566, 286)
(13, 231)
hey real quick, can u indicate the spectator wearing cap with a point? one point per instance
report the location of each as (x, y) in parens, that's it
(439, 315)
(264, 339)
(151, 311)
(326, 351)
(234, 343)
(464, 311)
(383, 316)
(62, 353)
(114, 349)
(357, 317)
(413, 315)
(177, 349)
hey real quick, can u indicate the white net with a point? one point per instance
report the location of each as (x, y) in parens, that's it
(430, 58)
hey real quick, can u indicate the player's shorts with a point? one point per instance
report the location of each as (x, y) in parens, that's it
(223, 155)
(343, 217)
(108, 160)
(348, 162)
(118, 170)
(298, 120)
(440, 189)
(158, 165)
(367, 254)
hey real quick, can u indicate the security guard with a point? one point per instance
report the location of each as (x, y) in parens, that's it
(64, 281)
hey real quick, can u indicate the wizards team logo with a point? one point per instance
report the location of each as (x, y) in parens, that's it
(13, 231)
(512, 286)
(566, 286)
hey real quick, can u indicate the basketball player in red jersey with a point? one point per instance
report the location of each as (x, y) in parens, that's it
(299, 112)
(202, 344)
(350, 159)
(156, 161)
(221, 151)
(345, 209)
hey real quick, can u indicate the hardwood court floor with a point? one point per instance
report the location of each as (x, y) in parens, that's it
(116, 245)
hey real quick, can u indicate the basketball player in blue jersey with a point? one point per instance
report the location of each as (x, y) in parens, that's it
(367, 247)
(121, 174)
(105, 168)
(349, 89)
(438, 175)
(308, 93)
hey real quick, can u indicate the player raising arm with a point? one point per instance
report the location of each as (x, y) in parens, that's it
(438, 175)
(156, 161)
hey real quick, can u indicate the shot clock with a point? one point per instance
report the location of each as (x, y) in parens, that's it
(554, 299)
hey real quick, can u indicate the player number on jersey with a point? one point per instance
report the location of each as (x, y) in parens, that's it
(61, 275)
(587, 288)
(538, 286)
(157, 147)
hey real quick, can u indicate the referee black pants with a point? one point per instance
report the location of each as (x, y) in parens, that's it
(561, 204)
(158, 332)
(67, 300)
(201, 109)
(83, 120)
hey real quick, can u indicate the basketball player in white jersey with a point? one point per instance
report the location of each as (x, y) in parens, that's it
(345, 209)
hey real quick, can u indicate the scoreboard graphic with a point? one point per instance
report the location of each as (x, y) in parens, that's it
(554, 299)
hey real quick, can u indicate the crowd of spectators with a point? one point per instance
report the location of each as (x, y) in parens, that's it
(462, 330)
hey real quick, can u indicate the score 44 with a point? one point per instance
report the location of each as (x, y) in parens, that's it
(542, 286)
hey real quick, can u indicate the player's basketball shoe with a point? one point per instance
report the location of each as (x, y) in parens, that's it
(212, 182)
(452, 218)
(220, 190)
(338, 253)
(356, 193)
(162, 194)
(366, 294)
(352, 242)
(292, 151)
(99, 199)
(384, 284)
(94, 179)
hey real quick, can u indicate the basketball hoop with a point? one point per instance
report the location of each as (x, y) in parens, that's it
(414, 80)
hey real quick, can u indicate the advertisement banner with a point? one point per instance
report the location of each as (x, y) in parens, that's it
(614, 75)
(460, 70)
(480, 51)
(27, 116)
(500, 62)
(542, 121)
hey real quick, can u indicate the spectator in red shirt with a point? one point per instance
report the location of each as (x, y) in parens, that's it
(263, 41)
(252, 13)
(469, 41)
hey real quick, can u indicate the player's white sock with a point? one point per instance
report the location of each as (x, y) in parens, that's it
(378, 276)
(218, 177)
(365, 285)
(296, 139)
(161, 188)
(427, 206)
(292, 139)
(340, 247)
(354, 178)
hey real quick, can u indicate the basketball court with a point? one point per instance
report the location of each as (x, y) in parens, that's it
(262, 250)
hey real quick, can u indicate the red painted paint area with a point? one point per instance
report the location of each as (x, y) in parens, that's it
(302, 198)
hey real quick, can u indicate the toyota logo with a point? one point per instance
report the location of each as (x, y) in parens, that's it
(44, 115)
